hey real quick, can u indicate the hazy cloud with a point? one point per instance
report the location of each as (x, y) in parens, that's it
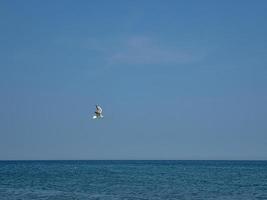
(143, 50)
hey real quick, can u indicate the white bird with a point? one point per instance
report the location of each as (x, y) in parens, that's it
(98, 112)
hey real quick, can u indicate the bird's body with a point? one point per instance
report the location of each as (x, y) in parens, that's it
(98, 112)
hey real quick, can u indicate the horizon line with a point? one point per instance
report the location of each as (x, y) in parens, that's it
(3, 160)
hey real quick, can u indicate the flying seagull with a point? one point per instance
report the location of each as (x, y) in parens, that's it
(98, 112)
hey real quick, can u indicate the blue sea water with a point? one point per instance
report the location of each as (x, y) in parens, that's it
(113, 180)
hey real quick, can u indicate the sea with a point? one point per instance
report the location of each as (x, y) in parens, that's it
(133, 180)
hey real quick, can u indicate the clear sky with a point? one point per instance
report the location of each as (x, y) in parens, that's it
(176, 79)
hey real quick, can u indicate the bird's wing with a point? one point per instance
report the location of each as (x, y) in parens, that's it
(98, 109)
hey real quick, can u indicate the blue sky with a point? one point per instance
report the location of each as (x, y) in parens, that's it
(176, 79)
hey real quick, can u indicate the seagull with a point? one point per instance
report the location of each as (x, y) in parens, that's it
(98, 112)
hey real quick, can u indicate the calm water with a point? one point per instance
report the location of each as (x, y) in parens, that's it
(133, 180)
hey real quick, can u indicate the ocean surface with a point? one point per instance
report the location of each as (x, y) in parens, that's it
(113, 180)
